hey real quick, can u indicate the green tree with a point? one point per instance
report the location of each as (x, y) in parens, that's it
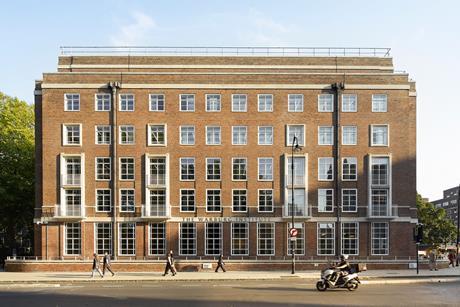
(17, 154)
(437, 229)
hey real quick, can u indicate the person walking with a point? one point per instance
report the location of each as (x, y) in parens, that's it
(170, 264)
(106, 264)
(432, 260)
(220, 263)
(451, 258)
(96, 266)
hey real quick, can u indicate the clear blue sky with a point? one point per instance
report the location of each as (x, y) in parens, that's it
(424, 37)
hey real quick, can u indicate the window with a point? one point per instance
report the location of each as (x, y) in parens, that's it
(325, 103)
(103, 135)
(72, 239)
(379, 135)
(295, 130)
(72, 134)
(157, 135)
(349, 169)
(187, 239)
(265, 135)
(213, 167)
(71, 102)
(325, 135)
(72, 203)
(299, 171)
(239, 200)
(157, 206)
(379, 202)
(103, 238)
(380, 171)
(380, 186)
(380, 239)
(72, 171)
(379, 103)
(127, 200)
(326, 239)
(187, 168)
(157, 102)
(265, 169)
(127, 242)
(239, 135)
(350, 238)
(265, 201)
(212, 135)
(240, 239)
(325, 200)
(127, 102)
(157, 244)
(213, 201)
(349, 200)
(299, 202)
(187, 135)
(126, 168)
(213, 103)
(187, 103)
(349, 103)
(127, 135)
(299, 243)
(265, 103)
(349, 135)
(239, 169)
(187, 200)
(157, 171)
(295, 103)
(102, 102)
(239, 103)
(325, 169)
(213, 237)
(265, 239)
(103, 200)
(103, 168)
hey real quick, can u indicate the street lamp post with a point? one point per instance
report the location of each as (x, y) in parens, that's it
(295, 146)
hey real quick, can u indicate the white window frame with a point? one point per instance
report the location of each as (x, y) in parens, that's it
(105, 95)
(220, 239)
(320, 110)
(180, 168)
(65, 140)
(134, 168)
(387, 232)
(219, 103)
(377, 108)
(356, 171)
(289, 103)
(320, 191)
(105, 240)
(220, 135)
(320, 136)
(180, 200)
(180, 103)
(246, 168)
(131, 224)
(96, 166)
(319, 168)
(96, 134)
(163, 238)
(187, 136)
(264, 110)
(79, 240)
(233, 195)
(149, 135)
(355, 135)
(301, 140)
(356, 195)
(245, 103)
(258, 169)
(300, 237)
(387, 139)
(151, 95)
(66, 109)
(206, 202)
(245, 239)
(120, 199)
(220, 169)
(127, 109)
(193, 239)
(120, 142)
(245, 139)
(342, 232)
(258, 135)
(347, 109)
(318, 239)
(96, 199)
(273, 238)
(258, 201)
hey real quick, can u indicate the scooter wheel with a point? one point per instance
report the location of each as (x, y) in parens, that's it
(352, 285)
(321, 286)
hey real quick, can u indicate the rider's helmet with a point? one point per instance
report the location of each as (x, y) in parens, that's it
(343, 257)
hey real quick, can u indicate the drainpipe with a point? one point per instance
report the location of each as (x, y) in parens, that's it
(337, 88)
(114, 86)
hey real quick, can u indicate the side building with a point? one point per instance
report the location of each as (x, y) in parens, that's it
(449, 202)
(138, 155)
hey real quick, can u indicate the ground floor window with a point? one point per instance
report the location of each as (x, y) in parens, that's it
(72, 238)
(380, 239)
(299, 242)
(103, 238)
(157, 244)
(240, 239)
(127, 235)
(326, 239)
(350, 238)
(187, 239)
(265, 239)
(213, 238)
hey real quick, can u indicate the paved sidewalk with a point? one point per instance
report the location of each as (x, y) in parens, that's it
(373, 276)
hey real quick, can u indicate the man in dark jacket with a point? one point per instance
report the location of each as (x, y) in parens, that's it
(96, 266)
(170, 264)
(106, 264)
(220, 263)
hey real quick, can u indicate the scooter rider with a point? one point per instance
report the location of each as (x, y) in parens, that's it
(343, 266)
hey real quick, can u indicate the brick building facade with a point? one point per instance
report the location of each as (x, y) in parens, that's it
(138, 155)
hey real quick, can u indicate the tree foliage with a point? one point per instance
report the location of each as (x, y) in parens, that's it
(437, 229)
(17, 154)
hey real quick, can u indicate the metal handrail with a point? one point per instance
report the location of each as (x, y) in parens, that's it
(228, 51)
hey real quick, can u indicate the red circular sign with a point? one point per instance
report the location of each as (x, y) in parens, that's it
(293, 232)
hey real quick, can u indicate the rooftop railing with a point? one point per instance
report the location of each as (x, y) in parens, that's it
(227, 51)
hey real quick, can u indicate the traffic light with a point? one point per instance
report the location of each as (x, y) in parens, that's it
(418, 233)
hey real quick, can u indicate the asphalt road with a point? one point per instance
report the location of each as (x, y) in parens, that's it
(289, 292)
